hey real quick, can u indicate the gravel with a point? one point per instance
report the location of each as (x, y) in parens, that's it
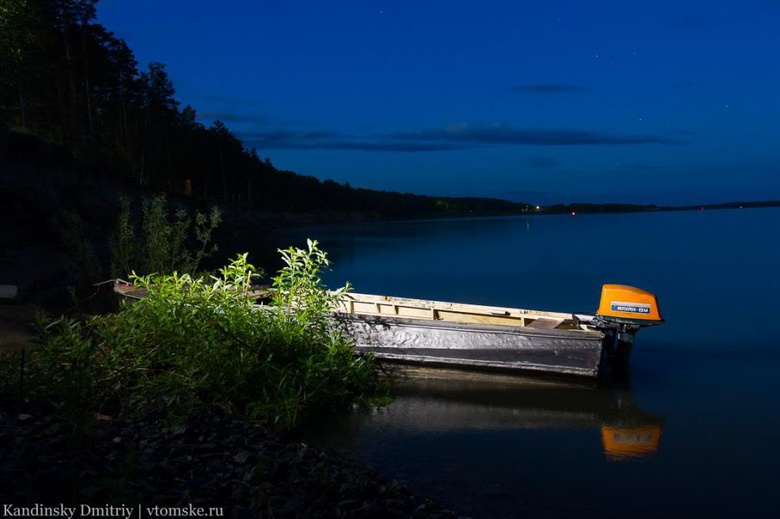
(215, 460)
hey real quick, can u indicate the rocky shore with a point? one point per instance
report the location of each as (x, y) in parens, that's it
(215, 461)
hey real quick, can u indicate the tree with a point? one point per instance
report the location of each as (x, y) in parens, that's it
(118, 92)
(159, 110)
(22, 61)
(229, 151)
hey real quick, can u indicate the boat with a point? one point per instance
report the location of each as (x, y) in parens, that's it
(440, 401)
(468, 336)
(493, 338)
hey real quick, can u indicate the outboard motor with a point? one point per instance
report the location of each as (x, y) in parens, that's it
(622, 312)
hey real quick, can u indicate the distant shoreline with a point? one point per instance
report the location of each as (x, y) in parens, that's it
(640, 208)
(285, 220)
(727, 205)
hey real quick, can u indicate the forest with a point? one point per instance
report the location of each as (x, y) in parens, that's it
(68, 80)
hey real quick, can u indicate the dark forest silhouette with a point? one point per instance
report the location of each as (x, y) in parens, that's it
(70, 81)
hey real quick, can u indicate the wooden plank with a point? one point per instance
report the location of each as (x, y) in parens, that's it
(368, 304)
(545, 323)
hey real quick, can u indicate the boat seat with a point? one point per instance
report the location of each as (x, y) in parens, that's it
(545, 323)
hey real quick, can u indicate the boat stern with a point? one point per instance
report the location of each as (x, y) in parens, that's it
(623, 310)
(625, 304)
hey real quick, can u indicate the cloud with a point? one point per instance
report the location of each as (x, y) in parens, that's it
(642, 167)
(325, 140)
(499, 134)
(550, 88)
(452, 137)
(284, 138)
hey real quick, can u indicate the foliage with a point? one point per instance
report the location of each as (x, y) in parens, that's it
(163, 244)
(200, 341)
(82, 258)
(300, 295)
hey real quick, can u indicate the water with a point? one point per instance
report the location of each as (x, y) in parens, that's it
(706, 381)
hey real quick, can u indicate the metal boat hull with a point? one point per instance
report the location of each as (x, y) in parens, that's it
(485, 346)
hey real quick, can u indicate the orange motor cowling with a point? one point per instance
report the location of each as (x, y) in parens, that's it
(624, 304)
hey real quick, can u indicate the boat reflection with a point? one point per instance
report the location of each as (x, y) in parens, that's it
(630, 442)
(436, 401)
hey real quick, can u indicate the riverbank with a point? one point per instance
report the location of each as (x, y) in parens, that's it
(215, 460)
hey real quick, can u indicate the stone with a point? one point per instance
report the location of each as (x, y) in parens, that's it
(243, 468)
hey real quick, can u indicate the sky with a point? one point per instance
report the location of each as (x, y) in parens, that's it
(643, 101)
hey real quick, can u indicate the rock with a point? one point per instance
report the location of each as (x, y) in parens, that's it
(242, 457)
(243, 468)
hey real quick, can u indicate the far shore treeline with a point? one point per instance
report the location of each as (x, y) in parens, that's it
(70, 81)
(66, 79)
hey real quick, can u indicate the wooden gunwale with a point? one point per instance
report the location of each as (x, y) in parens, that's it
(401, 307)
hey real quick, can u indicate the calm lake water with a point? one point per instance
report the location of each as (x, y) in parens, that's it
(702, 402)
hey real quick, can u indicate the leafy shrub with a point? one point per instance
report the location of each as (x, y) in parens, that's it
(201, 341)
(166, 241)
(300, 295)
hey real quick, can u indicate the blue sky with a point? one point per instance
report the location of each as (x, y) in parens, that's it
(654, 101)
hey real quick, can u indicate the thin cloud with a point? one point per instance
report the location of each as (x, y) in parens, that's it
(325, 140)
(550, 88)
(509, 135)
(642, 167)
(283, 139)
(449, 138)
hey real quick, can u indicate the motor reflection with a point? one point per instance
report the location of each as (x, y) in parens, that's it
(438, 401)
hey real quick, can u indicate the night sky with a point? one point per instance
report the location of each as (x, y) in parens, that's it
(662, 101)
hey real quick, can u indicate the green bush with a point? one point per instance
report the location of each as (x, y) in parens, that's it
(165, 242)
(201, 341)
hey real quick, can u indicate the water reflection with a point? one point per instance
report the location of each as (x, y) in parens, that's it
(437, 402)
